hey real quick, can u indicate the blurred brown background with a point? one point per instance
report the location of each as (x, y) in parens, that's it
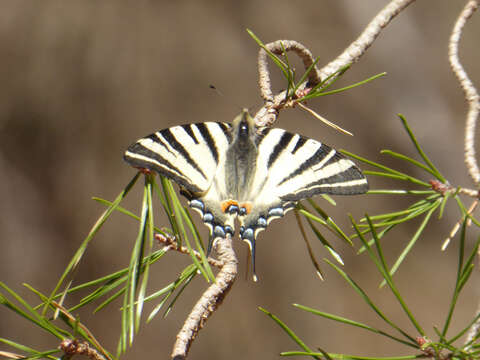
(81, 80)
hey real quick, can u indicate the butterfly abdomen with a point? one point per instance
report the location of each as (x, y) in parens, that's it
(241, 159)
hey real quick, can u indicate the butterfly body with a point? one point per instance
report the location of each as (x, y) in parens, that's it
(230, 171)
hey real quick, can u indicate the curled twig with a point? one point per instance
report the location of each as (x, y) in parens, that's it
(210, 300)
(471, 94)
(267, 115)
(278, 47)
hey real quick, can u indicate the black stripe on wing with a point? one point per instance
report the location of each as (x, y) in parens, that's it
(316, 158)
(187, 154)
(279, 147)
(207, 136)
(310, 167)
(301, 141)
(171, 139)
(335, 176)
(152, 161)
(188, 129)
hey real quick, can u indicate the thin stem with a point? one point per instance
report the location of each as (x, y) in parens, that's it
(279, 47)
(171, 243)
(353, 53)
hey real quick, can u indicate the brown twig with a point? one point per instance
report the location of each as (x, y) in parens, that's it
(75, 347)
(457, 225)
(267, 115)
(92, 338)
(210, 300)
(10, 355)
(471, 94)
(353, 53)
(171, 243)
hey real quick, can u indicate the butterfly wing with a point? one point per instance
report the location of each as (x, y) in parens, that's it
(187, 154)
(290, 168)
(192, 155)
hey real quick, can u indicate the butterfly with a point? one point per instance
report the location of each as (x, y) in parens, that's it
(229, 171)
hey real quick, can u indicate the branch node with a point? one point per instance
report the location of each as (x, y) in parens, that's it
(170, 243)
(75, 347)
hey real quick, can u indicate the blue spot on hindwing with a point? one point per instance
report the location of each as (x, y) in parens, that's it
(228, 229)
(197, 204)
(262, 222)
(248, 234)
(219, 231)
(233, 209)
(276, 212)
(207, 217)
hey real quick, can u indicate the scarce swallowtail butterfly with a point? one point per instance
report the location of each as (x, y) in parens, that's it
(230, 171)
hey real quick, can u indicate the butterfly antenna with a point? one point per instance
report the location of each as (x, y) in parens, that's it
(214, 88)
(228, 98)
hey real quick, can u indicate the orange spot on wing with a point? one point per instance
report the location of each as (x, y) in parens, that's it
(226, 204)
(248, 207)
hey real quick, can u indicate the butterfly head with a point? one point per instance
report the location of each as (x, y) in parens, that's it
(243, 125)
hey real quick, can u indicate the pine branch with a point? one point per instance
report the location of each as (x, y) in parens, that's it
(210, 300)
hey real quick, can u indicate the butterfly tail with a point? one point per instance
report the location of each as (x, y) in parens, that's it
(249, 237)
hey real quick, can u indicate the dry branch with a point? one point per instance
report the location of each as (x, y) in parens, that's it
(210, 300)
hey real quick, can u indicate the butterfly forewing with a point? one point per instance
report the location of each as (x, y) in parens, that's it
(188, 154)
(290, 168)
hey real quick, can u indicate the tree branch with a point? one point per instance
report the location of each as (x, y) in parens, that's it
(353, 53)
(472, 97)
(471, 94)
(210, 300)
